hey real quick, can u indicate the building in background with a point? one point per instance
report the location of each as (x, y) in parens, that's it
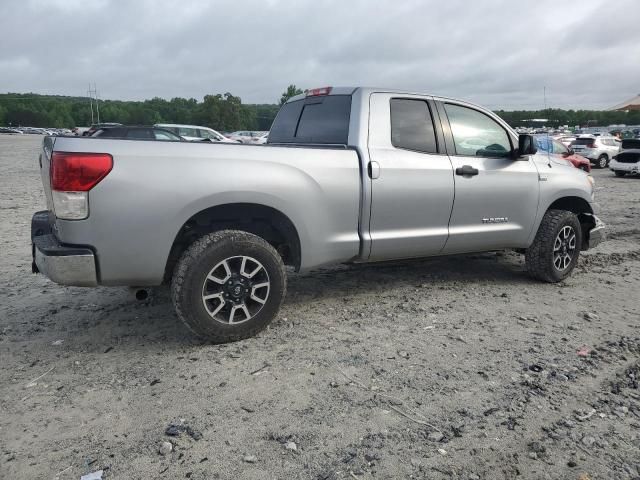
(631, 104)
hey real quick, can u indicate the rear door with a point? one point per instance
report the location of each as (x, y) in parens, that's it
(496, 196)
(412, 178)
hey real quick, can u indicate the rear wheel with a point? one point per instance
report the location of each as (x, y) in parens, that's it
(603, 161)
(620, 173)
(228, 286)
(556, 247)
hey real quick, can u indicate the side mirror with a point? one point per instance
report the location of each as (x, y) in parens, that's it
(526, 145)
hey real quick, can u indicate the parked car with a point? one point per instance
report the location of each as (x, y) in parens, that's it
(262, 139)
(137, 133)
(422, 176)
(627, 161)
(10, 130)
(551, 146)
(246, 136)
(565, 139)
(96, 126)
(194, 133)
(598, 149)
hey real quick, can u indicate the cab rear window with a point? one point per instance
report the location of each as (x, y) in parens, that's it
(320, 120)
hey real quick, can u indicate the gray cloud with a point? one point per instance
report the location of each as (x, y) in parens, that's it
(500, 53)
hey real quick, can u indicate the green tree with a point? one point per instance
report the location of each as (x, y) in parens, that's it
(291, 91)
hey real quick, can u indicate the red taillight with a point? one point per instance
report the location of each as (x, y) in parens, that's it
(78, 172)
(314, 92)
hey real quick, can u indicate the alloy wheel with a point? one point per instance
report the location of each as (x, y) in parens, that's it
(235, 290)
(564, 248)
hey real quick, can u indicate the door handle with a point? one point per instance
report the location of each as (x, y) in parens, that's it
(467, 171)
(373, 169)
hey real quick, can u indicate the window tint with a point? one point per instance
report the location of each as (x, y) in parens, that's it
(322, 120)
(188, 132)
(161, 135)
(584, 141)
(207, 134)
(412, 125)
(630, 143)
(140, 133)
(110, 133)
(476, 134)
(559, 148)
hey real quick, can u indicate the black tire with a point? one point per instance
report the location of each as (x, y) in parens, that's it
(193, 274)
(540, 257)
(603, 161)
(620, 173)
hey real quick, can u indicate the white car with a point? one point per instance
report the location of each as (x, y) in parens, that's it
(195, 133)
(565, 139)
(246, 136)
(628, 160)
(262, 139)
(599, 149)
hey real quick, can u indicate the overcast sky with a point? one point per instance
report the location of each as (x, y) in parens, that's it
(501, 53)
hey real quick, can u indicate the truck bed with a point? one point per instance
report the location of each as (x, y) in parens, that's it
(155, 187)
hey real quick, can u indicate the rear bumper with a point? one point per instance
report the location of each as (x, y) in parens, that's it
(63, 264)
(624, 167)
(597, 234)
(591, 155)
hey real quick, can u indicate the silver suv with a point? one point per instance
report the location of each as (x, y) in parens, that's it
(599, 150)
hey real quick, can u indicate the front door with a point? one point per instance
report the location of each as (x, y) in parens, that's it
(411, 178)
(496, 195)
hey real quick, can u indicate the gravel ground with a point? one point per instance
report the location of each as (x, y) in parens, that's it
(457, 368)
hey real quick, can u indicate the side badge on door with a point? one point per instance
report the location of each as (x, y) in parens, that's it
(495, 220)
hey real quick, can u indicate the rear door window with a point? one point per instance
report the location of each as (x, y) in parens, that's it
(111, 133)
(321, 120)
(140, 134)
(160, 135)
(207, 134)
(412, 125)
(188, 132)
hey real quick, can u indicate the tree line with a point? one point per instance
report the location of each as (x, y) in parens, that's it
(226, 112)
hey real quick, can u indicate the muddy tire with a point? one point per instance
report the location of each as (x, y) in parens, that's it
(556, 247)
(228, 286)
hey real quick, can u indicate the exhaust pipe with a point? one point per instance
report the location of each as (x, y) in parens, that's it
(141, 294)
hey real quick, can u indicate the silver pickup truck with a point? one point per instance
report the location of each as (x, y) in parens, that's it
(347, 175)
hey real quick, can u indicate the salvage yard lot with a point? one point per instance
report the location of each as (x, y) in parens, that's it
(459, 367)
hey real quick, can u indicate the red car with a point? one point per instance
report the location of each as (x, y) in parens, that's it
(555, 147)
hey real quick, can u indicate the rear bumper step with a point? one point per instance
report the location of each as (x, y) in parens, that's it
(63, 264)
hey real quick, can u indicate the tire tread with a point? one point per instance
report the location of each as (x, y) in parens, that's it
(537, 255)
(189, 257)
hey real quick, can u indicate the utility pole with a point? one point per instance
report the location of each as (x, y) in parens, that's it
(90, 102)
(545, 97)
(95, 90)
(91, 93)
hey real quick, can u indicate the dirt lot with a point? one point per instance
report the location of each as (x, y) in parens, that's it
(446, 368)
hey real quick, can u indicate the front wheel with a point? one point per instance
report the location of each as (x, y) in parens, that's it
(619, 173)
(228, 286)
(556, 247)
(603, 161)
